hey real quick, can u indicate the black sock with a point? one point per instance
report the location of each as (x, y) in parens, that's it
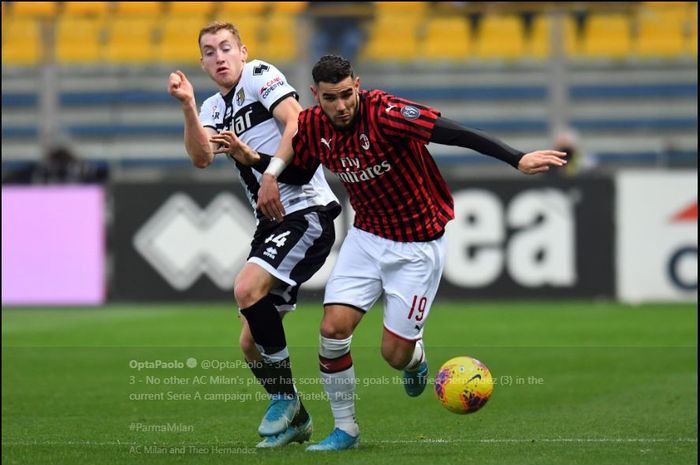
(265, 325)
(259, 369)
(302, 416)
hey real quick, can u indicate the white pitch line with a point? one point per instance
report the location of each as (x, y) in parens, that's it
(397, 441)
(548, 440)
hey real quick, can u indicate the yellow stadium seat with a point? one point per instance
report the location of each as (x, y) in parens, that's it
(233, 9)
(666, 6)
(401, 8)
(78, 40)
(392, 38)
(130, 40)
(249, 27)
(192, 9)
(446, 38)
(21, 42)
(691, 43)
(289, 8)
(142, 9)
(501, 37)
(281, 39)
(607, 36)
(539, 45)
(99, 9)
(33, 9)
(660, 35)
(178, 43)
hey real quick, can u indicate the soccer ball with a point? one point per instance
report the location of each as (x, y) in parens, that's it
(463, 385)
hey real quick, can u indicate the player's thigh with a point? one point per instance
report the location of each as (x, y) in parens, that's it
(355, 280)
(253, 283)
(411, 274)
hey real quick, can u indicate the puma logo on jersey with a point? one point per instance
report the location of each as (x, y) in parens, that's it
(389, 107)
(327, 143)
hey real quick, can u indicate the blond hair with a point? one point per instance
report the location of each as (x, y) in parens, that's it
(216, 26)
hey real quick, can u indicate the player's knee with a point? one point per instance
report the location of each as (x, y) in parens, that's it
(335, 330)
(247, 293)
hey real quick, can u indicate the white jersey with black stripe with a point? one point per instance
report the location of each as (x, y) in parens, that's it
(247, 111)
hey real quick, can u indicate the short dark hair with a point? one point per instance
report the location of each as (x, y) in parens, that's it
(332, 69)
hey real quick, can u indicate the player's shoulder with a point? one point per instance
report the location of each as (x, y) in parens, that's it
(259, 69)
(213, 100)
(310, 114)
(376, 97)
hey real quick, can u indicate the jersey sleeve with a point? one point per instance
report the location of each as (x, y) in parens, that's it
(303, 151)
(208, 114)
(403, 118)
(268, 85)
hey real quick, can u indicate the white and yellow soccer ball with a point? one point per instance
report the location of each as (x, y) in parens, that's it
(463, 385)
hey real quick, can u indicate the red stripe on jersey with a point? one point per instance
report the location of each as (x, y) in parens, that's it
(392, 181)
(334, 365)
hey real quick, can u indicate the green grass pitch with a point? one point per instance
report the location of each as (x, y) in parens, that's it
(576, 383)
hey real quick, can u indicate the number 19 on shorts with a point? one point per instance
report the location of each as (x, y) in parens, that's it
(418, 307)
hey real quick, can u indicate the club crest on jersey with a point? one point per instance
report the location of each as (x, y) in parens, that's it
(410, 112)
(364, 142)
(240, 97)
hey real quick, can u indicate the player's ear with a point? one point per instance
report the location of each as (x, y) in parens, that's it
(314, 91)
(357, 83)
(244, 52)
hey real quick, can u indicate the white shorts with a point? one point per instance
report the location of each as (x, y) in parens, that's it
(408, 273)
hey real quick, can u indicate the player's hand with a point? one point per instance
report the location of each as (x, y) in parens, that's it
(179, 87)
(540, 161)
(269, 198)
(228, 143)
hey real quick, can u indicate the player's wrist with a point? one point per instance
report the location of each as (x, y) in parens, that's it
(275, 168)
(188, 103)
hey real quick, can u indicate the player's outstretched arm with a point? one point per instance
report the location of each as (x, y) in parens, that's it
(540, 161)
(196, 136)
(451, 133)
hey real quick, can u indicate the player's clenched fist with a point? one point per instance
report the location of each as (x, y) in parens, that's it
(179, 87)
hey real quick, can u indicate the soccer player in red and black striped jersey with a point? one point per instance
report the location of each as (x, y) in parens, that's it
(375, 144)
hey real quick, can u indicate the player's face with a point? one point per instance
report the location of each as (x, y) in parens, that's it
(339, 101)
(222, 58)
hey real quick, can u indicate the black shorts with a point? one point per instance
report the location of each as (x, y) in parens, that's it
(293, 250)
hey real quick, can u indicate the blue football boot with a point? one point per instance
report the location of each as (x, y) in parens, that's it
(298, 433)
(337, 440)
(279, 415)
(415, 381)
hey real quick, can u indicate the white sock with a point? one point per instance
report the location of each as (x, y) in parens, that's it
(338, 377)
(417, 358)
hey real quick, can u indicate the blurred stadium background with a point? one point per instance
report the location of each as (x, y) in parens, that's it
(102, 209)
(84, 99)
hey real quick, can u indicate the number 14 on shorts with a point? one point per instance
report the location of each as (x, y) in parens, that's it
(418, 307)
(279, 239)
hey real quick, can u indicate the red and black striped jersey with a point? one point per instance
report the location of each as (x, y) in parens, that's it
(393, 183)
